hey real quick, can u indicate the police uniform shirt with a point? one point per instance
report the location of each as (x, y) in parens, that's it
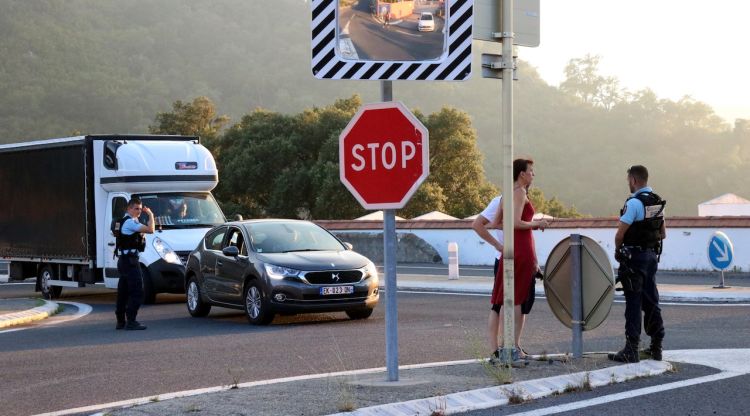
(634, 210)
(130, 227)
(489, 213)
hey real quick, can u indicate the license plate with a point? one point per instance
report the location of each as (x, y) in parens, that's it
(337, 290)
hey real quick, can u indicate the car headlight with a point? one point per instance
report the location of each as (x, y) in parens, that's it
(280, 272)
(165, 251)
(370, 271)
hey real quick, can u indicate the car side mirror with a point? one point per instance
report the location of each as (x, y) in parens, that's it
(231, 251)
(348, 246)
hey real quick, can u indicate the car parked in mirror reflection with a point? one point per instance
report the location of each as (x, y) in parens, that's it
(271, 266)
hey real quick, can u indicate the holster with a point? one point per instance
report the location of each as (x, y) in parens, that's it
(631, 280)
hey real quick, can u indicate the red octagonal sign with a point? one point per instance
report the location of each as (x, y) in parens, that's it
(384, 155)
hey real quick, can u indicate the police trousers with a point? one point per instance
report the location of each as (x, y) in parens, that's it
(643, 296)
(129, 288)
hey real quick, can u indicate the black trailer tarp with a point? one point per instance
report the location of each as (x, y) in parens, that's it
(45, 206)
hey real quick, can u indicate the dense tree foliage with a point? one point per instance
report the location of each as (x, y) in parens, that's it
(96, 66)
(197, 118)
(271, 164)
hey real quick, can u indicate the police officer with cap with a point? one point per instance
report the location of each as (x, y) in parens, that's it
(130, 241)
(638, 245)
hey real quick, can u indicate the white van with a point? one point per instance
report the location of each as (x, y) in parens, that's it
(61, 196)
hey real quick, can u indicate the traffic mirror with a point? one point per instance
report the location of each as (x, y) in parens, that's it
(392, 39)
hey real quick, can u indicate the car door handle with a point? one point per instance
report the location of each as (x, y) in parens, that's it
(111, 244)
(219, 263)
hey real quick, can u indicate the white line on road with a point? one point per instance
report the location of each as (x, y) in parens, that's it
(625, 395)
(732, 362)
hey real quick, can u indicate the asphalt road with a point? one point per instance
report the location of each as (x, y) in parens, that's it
(85, 361)
(396, 42)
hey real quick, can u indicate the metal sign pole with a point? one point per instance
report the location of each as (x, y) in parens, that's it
(576, 292)
(506, 14)
(721, 281)
(389, 258)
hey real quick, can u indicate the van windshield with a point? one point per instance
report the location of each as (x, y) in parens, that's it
(183, 210)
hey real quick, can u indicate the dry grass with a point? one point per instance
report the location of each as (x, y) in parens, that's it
(516, 396)
(501, 374)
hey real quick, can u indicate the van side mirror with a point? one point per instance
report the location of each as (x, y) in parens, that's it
(110, 154)
(348, 246)
(231, 251)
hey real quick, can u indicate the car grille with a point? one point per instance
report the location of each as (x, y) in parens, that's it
(183, 255)
(333, 277)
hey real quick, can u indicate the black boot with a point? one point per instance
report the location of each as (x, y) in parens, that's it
(629, 354)
(655, 349)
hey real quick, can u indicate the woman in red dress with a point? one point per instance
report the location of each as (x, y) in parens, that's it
(524, 256)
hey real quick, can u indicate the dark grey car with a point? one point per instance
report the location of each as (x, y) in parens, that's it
(274, 266)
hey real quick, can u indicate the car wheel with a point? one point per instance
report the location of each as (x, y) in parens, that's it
(257, 307)
(46, 274)
(195, 304)
(359, 313)
(149, 295)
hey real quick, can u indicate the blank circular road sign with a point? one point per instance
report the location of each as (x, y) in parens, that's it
(597, 283)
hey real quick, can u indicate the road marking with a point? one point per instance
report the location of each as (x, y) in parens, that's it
(738, 365)
(625, 395)
(407, 33)
(83, 310)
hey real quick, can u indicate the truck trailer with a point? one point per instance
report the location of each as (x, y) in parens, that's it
(60, 197)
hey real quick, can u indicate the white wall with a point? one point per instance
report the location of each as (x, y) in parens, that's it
(684, 248)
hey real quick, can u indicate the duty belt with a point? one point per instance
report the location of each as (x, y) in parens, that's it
(640, 248)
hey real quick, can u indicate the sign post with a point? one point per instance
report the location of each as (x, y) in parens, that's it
(389, 258)
(509, 345)
(512, 22)
(383, 158)
(721, 255)
(576, 293)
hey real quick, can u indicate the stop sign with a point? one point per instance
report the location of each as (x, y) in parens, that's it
(383, 155)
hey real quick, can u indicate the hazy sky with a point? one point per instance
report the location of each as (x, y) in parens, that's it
(674, 47)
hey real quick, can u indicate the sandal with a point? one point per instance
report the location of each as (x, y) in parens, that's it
(522, 354)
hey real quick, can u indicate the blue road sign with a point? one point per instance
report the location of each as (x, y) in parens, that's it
(720, 251)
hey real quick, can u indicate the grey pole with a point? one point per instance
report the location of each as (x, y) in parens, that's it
(389, 258)
(506, 11)
(576, 298)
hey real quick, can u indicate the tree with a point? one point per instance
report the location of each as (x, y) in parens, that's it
(197, 118)
(552, 206)
(457, 184)
(584, 82)
(287, 165)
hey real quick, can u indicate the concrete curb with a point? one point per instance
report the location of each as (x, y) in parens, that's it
(526, 390)
(34, 314)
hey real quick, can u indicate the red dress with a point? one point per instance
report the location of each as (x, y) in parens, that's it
(524, 263)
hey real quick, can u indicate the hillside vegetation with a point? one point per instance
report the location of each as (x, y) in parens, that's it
(102, 66)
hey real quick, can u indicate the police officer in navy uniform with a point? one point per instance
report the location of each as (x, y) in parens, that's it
(131, 241)
(638, 245)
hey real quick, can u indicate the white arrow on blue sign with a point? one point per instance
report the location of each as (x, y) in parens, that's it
(720, 251)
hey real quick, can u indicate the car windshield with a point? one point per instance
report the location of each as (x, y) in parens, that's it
(291, 236)
(426, 17)
(183, 210)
